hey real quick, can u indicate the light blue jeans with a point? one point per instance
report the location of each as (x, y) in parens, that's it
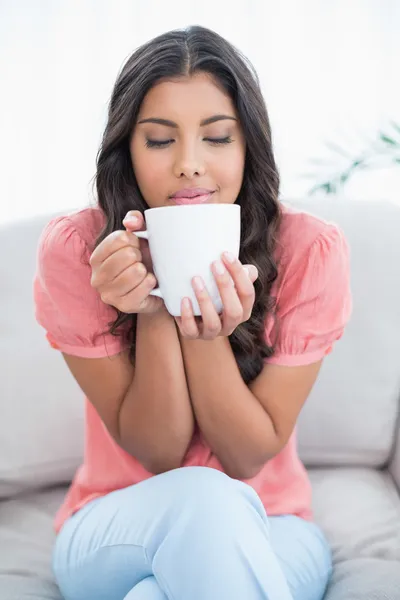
(189, 534)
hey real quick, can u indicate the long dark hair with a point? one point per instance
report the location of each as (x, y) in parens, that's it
(184, 53)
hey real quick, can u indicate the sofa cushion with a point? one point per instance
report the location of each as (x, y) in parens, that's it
(26, 541)
(365, 579)
(358, 509)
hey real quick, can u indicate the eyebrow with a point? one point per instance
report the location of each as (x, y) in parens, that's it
(168, 123)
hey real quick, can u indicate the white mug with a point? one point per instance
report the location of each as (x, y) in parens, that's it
(184, 241)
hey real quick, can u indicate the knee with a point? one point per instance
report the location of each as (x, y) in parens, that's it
(212, 495)
(202, 482)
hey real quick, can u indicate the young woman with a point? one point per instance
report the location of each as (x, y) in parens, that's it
(191, 487)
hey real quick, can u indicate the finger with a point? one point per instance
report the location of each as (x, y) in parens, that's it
(210, 318)
(252, 272)
(137, 299)
(112, 243)
(124, 283)
(233, 309)
(243, 284)
(133, 220)
(114, 265)
(187, 322)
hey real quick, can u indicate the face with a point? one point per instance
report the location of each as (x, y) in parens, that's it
(187, 145)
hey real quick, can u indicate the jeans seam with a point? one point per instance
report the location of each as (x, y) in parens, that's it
(89, 555)
(159, 578)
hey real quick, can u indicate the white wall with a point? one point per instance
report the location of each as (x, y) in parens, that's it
(329, 71)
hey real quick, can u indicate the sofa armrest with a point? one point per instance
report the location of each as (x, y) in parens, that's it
(394, 466)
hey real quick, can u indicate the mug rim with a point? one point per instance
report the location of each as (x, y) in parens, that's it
(222, 204)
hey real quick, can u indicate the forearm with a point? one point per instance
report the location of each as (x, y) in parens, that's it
(156, 419)
(232, 420)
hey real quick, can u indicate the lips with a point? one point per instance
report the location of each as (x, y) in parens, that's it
(192, 196)
(194, 200)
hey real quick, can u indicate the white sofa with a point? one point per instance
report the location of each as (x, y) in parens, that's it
(348, 430)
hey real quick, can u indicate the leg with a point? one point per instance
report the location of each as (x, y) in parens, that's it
(147, 589)
(220, 538)
(304, 555)
(201, 534)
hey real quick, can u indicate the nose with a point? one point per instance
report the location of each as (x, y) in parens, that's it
(189, 164)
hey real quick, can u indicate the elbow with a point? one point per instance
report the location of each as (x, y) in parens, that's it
(250, 468)
(156, 466)
(243, 472)
(154, 461)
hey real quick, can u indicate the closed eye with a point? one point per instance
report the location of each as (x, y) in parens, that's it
(157, 144)
(225, 140)
(165, 143)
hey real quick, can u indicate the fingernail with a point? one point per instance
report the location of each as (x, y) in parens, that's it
(131, 219)
(252, 270)
(219, 267)
(198, 284)
(230, 257)
(186, 304)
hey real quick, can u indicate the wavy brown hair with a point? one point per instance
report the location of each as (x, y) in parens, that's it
(184, 53)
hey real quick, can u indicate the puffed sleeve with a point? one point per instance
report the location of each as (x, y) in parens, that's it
(315, 302)
(70, 310)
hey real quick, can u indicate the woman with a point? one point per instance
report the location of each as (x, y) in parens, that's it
(191, 487)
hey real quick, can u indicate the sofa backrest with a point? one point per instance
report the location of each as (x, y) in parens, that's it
(351, 415)
(41, 414)
(349, 418)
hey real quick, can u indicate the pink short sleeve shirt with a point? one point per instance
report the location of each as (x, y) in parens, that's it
(313, 305)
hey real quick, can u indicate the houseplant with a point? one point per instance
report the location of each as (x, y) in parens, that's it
(382, 151)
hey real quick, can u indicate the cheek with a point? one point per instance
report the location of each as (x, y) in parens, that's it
(150, 174)
(230, 171)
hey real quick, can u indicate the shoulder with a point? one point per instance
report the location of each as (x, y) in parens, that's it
(69, 238)
(312, 290)
(303, 237)
(85, 224)
(299, 230)
(67, 306)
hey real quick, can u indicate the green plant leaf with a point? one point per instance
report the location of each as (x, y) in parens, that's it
(385, 146)
(395, 126)
(337, 149)
(387, 139)
(357, 163)
(316, 188)
(344, 177)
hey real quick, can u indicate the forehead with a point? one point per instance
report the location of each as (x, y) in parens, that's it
(186, 98)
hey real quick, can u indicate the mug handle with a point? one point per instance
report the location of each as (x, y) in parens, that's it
(145, 236)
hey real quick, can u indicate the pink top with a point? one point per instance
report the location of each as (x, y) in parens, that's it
(313, 305)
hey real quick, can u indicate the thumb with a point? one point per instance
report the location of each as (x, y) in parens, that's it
(252, 272)
(133, 220)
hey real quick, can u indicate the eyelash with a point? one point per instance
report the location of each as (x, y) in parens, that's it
(215, 141)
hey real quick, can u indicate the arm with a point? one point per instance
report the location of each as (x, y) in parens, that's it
(244, 426)
(247, 425)
(146, 409)
(156, 419)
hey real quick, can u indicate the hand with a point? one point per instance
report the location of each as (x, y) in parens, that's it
(122, 270)
(235, 284)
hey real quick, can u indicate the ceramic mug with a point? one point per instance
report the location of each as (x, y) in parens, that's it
(184, 241)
